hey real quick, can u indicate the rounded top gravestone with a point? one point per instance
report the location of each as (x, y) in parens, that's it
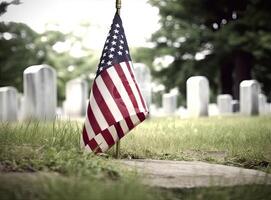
(197, 89)
(75, 104)
(8, 104)
(224, 102)
(249, 91)
(40, 92)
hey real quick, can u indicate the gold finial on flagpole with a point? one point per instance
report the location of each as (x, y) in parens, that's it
(118, 7)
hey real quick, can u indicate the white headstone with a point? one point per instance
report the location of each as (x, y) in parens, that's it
(263, 107)
(75, 104)
(213, 109)
(8, 104)
(269, 108)
(143, 77)
(224, 102)
(182, 112)
(235, 106)
(153, 110)
(21, 107)
(249, 101)
(59, 112)
(169, 103)
(197, 90)
(40, 91)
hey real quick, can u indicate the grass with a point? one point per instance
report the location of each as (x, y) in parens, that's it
(68, 172)
(55, 187)
(236, 141)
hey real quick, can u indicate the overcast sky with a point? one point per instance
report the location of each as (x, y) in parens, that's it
(139, 18)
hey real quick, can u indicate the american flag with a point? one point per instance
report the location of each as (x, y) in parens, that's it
(116, 104)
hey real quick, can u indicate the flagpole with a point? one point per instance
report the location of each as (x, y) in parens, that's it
(118, 6)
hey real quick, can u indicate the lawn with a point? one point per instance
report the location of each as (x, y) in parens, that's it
(235, 141)
(44, 160)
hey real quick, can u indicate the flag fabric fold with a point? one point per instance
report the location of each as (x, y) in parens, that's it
(116, 104)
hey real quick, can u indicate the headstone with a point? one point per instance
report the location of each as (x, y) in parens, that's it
(75, 104)
(224, 102)
(8, 104)
(263, 107)
(59, 112)
(249, 102)
(143, 77)
(182, 111)
(153, 110)
(197, 89)
(235, 106)
(269, 108)
(21, 107)
(213, 109)
(40, 92)
(169, 103)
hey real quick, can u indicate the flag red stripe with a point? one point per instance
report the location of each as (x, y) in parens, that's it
(93, 145)
(128, 88)
(141, 116)
(141, 98)
(119, 130)
(85, 136)
(92, 120)
(129, 123)
(117, 98)
(108, 137)
(102, 104)
(114, 93)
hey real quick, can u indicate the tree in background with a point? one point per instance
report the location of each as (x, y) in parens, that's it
(19, 49)
(22, 47)
(226, 40)
(4, 5)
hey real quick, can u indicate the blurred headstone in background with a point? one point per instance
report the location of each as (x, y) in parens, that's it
(224, 102)
(197, 91)
(40, 91)
(169, 102)
(249, 100)
(21, 106)
(263, 107)
(213, 109)
(235, 106)
(182, 112)
(153, 110)
(269, 108)
(143, 76)
(59, 112)
(75, 104)
(8, 104)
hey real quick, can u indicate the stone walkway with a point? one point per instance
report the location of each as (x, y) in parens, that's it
(183, 174)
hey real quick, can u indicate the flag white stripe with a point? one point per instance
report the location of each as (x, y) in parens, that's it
(108, 99)
(89, 129)
(114, 133)
(124, 126)
(87, 149)
(97, 113)
(133, 86)
(122, 91)
(101, 142)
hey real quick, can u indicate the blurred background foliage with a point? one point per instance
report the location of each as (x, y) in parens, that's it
(22, 47)
(225, 40)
